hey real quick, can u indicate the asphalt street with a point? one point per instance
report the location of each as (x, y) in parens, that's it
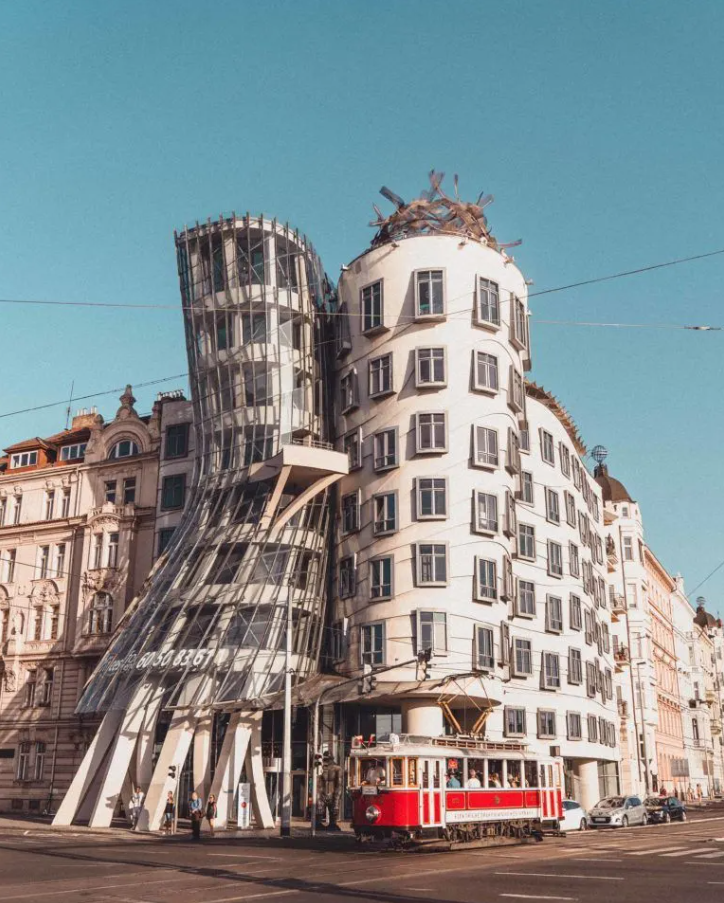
(678, 862)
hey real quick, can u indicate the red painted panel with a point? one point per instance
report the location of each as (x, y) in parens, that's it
(438, 805)
(454, 799)
(400, 808)
(495, 799)
(425, 808)
(532, 798)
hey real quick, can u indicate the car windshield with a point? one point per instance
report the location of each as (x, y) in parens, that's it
(611, 802)
(654, 801)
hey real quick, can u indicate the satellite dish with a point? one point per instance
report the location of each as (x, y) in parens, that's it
(599, 453)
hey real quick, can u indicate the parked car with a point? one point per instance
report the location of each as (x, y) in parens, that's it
(574, 817)
(663, 809)
(618, 812)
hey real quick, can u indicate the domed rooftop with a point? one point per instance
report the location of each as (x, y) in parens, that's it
(612, 489)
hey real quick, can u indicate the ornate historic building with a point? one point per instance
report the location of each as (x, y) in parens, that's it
(78, 512)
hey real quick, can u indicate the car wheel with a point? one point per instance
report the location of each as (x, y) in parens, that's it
(683, 816)
(624, 821)
(667, 818)
(584, 824)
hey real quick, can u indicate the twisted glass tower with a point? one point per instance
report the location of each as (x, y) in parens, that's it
(208, 631)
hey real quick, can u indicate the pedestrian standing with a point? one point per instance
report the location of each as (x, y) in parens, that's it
(211, 813)
(168, 813)
(136, 805)
(196, 811)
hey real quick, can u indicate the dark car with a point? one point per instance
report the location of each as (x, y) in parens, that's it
(665, 809)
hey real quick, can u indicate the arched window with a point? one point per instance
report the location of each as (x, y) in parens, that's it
(126, 448)
(101, 614)
(4, 620)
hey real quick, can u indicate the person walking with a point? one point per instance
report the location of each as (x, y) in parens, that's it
(196, 812)
(136, 805)
(168, 813)
(211, 813)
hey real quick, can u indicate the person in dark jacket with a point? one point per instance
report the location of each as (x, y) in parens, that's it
(196, 813)
(211, 813)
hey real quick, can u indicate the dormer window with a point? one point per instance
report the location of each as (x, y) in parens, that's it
(126, 448)
(24, 459)
(72, 452)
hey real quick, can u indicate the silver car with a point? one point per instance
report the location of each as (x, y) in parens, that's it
(618, 812)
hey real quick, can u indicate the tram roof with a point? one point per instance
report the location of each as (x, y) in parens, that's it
(431, 747)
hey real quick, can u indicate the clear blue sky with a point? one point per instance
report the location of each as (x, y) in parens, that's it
(597, 126)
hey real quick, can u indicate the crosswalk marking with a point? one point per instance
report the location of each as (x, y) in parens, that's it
(687, 852)
(651, 850)
(710, 855)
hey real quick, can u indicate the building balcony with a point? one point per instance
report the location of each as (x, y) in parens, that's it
(621, 657)
(618, 606)
(611, 555)
(695, 703)
(716, 728)
(710, 697)
(623, 709)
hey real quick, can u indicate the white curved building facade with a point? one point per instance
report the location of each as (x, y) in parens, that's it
(433, 344)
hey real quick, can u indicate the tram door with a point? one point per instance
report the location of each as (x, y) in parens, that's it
(431, 795)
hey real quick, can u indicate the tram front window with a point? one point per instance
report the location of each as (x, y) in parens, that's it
(530, 770)
(512, 773)
(372, 771)
(397, 772)
(495, 772)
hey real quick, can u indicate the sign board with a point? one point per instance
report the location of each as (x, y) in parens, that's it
(243, 818)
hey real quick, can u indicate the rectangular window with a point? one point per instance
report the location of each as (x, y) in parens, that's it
(555, 559)
(546, 724)
(371, 306)
(112, 554)
(565, 457)
(486, 512)
(526, 542)
(49, 503)
(349, 395)
(177, 440)
(338, 641)
(129, 490)
(381, 576)
(43, 561)
(64, 504)
(385, 513)
(372, 644)
(59, 569)
(485, 372)
(553, 511)
(525, 440)
(431, 498)
(24, 459)
(164, 538)
(23, 768)
(46, 688)
(253, 327)
(429, 294)
(522, 657)
(484, 648)
(547, 448)
(488, 307)
(385, 447)
(380, 376)
(573, 720)
(109, 492)
(511, 519)
(518, 323)
(7, 565)
(575, 666)
(592, 729)
(573, 560)
(39, 768)
(575, 612)
(590, 680)
(486, 580)
(431, 559)
(554, 614)
(516, 391)
(570, 504)
(486, 447)
(31, 683)
(432, 632)
(431, 433)
(3, 511)
(512, 463)
(526, 487)
(350, 512)
(97, 551)
(430, 367)
(550, 671)
(73, 452)
(628, 554)
(607, 684)
(514, 722)
(526, 598)
(347, 577)
(588, 625)
(173, 491)
(352, 444)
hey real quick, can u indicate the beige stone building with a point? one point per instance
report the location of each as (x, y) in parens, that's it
(78, 515)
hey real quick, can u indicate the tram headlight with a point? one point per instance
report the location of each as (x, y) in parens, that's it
(372, 813)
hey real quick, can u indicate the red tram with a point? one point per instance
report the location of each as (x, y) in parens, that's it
(456, 789)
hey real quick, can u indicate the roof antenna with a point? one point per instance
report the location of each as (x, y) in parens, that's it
(70, 403)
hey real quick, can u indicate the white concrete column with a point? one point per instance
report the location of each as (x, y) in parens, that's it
(586, 770)
(146, 738)
(228, 768)
(423, 717)
(255, 772)
(173, 752)
(89, 768)
(120, 759)
(202, 756)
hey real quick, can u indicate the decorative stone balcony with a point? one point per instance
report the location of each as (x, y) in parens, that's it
(621, 657)
(618, 606)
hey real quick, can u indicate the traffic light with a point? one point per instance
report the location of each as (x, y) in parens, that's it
(172, 772)
(326, 758)
(318, 761)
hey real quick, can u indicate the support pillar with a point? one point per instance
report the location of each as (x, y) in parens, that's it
(146, 738)
(120, 759)
(586, 770)
(173, 752)
(229, 765)
(202, 756)
(89, 768)
(255, 772)
(423, 717)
